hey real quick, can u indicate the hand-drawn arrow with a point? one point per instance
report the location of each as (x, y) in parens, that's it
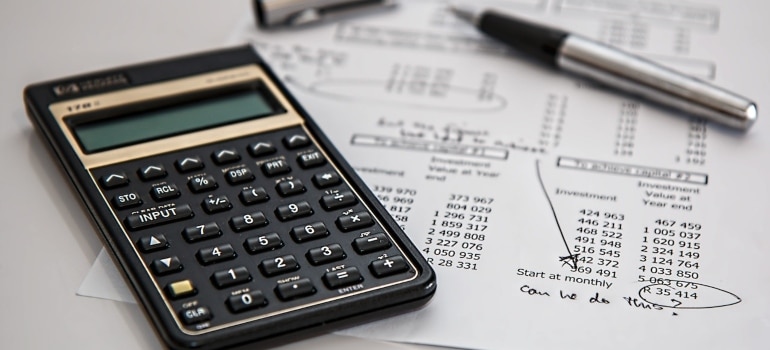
(571, 259)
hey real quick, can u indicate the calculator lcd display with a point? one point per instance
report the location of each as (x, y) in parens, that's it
(110, 133)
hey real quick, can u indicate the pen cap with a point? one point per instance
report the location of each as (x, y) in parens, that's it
(291, 13)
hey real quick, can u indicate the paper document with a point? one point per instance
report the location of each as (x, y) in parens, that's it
(556, 213)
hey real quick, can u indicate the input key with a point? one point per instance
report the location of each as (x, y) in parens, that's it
(158, 216)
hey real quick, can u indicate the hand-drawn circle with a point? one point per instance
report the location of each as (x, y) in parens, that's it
(677, 294)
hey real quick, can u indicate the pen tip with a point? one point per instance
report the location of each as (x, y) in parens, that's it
(464, 12)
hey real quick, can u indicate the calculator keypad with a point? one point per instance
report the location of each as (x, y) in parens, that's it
(250, 227)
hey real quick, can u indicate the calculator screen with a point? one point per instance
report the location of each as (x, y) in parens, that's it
(108, 133)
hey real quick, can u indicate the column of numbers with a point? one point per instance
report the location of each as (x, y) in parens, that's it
(458, 232)
(670, 250)
(598, 242)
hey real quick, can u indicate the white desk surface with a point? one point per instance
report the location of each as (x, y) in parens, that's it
(48, 244)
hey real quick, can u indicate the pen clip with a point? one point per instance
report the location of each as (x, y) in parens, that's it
(295, 13)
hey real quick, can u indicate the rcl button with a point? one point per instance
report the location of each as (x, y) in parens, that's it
(164, 191)
(195, 315)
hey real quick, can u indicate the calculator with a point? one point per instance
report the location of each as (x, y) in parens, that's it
(231, 215)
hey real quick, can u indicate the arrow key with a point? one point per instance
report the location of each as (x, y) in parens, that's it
(153, 243)
(225, 156)
(328, 179)
(166, 265)
(152, 172)
(188, 164)
(114, 180)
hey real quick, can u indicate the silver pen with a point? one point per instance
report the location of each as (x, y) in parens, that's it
(615, 68)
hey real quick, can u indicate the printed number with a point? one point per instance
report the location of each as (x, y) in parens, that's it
(279, 262)
(201, 227)
(326, 251)
(263, 240)
(309, 229)
(248, 219)
(293, 208)
(216, 251)
(246, 299)
(232, 273)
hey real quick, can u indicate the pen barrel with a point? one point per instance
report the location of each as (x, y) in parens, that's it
(638, 76)
(536, 40)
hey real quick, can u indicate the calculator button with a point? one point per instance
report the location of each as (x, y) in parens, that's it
(164, 191)
(152, 172)
(239, 176)
(290, 187)
(180, 289)
(325, 254)
(126, 200)
(309, 232)
(278, 265)
(201, 232)
(338, 200)
(216, 204)
(311, 160)
(323, 180)
(295, 289)
(354, 221)
(296, 141)
(263, 243)
(204, 183)
(114, 180)
(195, 314)
(275, 167)
(254, 195)
(372, 243)
(342, 278)
(215, 254)
(153, 243)
(388, 266)
(261, 149)
(166, 265)
(158, 216)
(231, 277)
(248, 221)
(293, 211)
(188, 164)
(246, 301)
(225, 156)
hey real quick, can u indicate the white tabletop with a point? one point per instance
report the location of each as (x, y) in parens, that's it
(48, 244)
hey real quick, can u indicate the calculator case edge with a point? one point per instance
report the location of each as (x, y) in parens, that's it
(411, 295)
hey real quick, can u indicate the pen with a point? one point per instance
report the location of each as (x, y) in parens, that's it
(298, 13)
(615, 68)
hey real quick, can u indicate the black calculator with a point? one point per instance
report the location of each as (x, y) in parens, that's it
(231, 215)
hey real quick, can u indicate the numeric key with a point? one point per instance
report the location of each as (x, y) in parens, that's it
(263, 243)
(325, 254)
(201, 232)
(215, 254)
(248, 221)
(278, 265)
(231, 277)
(246, 301)
(293, 211)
